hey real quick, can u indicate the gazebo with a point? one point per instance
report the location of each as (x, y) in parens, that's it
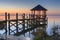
(40, 13)
(41, 10)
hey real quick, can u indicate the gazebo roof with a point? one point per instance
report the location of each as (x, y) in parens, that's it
(38, 7)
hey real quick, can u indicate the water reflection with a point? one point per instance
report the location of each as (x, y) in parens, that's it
(52, 21)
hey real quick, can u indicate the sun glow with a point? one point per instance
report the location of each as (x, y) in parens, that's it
(12, 11)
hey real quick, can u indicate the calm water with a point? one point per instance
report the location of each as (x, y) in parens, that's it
(52, 20)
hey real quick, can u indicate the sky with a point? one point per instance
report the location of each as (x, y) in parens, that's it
(24, 6)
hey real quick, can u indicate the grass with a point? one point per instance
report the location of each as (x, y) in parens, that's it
(41, 35)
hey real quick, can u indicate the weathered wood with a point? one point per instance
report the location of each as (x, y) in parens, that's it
(23, 21)
(16, 22)
(9, 23)
(32, 22)
(23, 16)
(6, 22)
(22, 32)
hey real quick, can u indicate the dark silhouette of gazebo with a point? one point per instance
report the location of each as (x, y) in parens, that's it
(40, 15)
(39, 9)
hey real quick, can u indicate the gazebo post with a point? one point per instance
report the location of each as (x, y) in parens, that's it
(44, 14)
(39, 12)
(34, 12)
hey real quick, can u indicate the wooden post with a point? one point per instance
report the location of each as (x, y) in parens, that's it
(6, 22)
(16, 22)
(23, 23)
(27, 22)
(33, 21)
(36, 20)
(39, 13)
(34, 12)
(9, 23)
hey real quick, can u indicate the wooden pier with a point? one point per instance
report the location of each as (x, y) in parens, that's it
(27, 23)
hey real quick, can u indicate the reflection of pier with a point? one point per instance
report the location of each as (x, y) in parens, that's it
(28, 22)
